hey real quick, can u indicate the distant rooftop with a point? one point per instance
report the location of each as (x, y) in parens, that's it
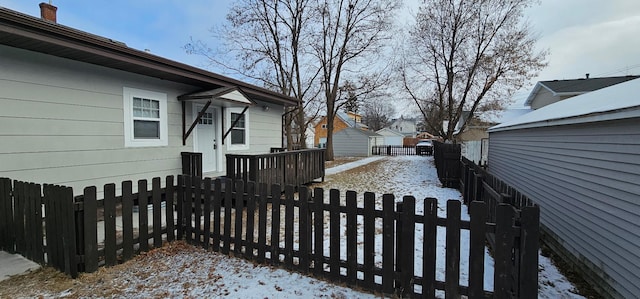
(577, 86)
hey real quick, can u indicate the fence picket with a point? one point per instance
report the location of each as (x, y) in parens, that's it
(127, 220)
(207, 213)
(187, 209)
(352, 237)
(50, 227)
(90, 229)
(19, 214)
(388, 242)
(477, 232)
(408, 241)
(304, 230)
(110, 255)
(502, 250)
(452, 270)
(318, 231)
(251, 207)
(143, 216)
(228, 204)
(217, 207)
(275, 224)
(157, 213)
(334, 233)
(196, 205)
(6, 215)
(169, 203)
(262, 222)
(288, 226)
(429, 247)
(69, 232)
(180, 208)
(28, 204)
(529, 232)
(369, 239)
(239, 207)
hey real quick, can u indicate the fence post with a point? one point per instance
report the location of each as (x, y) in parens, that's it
(529, 245)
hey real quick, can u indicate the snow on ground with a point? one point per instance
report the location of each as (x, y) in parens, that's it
(180, 270)
(416, 176)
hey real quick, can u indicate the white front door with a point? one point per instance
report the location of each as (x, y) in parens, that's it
(205, 139)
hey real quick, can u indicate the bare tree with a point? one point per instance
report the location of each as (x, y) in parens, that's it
(265, 41)
(377, 114)
(468, 56)
(351, 34)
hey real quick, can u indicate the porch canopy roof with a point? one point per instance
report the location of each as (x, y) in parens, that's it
(231, 96)
(224, 97)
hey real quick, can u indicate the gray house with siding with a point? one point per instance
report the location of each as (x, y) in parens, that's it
(579, 159)
(352, 142)
(79, 109)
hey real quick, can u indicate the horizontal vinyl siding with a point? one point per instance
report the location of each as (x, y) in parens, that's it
(62, 122)
(586, 179)
(347, 143)
(265, 130)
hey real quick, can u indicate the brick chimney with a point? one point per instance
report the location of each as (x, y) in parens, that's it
(48, 12)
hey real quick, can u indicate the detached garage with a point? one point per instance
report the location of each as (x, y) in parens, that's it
(579, 160)
(391, 137)
(352, 142)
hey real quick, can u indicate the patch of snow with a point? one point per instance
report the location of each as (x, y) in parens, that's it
(347, 166)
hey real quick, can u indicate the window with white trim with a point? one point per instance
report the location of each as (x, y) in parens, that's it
(238, 131)
(238, 138)
(145, 118)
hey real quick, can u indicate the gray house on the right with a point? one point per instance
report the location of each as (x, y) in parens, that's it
(579, 160)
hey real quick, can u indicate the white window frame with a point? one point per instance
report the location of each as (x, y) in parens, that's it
(237, 147)
(129, 138)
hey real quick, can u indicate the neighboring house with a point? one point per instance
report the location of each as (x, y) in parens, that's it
(391, 137)
(579, 160)
(406, 126)
(549, 92)
(342, 121)
(353, 142)
(81, 110)
(477, 126)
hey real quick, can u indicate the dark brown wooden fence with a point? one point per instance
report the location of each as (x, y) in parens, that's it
(476, 184)
(393, 150)
(446, 157)
(281, 229)
(296, 168)
(79, 234)
(291, 232)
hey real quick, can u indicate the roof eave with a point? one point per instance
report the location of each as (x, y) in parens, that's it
(45, 34)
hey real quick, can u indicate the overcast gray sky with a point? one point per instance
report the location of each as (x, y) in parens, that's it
(584, 36)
